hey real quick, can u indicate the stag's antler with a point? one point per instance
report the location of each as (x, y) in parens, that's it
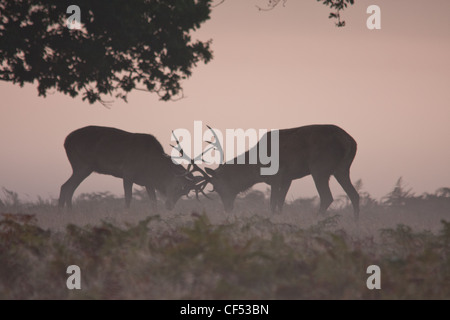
(183, 155)
(199, 185)
(216, 145)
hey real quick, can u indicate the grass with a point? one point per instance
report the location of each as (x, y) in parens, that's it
(199, 252)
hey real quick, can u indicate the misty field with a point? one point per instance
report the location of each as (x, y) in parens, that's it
(199, 252)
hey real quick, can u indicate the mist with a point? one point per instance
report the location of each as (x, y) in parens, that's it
(278, 69)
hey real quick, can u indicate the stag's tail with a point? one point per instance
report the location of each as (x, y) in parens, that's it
(351, 152)
(78, 145)
(350, 147)
(342, 174)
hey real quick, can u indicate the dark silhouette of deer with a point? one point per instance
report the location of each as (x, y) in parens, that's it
(317, 150)
(136, 158)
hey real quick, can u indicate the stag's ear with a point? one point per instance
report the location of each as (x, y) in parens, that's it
(210, 171)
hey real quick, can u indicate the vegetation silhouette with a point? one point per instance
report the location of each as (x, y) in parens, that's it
(196, 256)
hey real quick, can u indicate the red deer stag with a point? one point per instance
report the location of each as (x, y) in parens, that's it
(134, 157)
(317, 150)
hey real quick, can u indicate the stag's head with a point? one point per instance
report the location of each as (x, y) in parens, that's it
(223, 185)
(221, 182)
(184, 180)
(179, 185)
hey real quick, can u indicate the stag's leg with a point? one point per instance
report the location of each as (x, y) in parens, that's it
(321, 181)
(69, 187)
(152, 195)
(62, 196)
(274, 191)
(282, 194)
(343, 177)
(128, 188)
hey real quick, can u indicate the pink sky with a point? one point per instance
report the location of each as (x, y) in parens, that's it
(388, 88)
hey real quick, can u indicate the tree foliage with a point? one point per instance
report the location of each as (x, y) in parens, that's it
(122, 45)
(336, 5)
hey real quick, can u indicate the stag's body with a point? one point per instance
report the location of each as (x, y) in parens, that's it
(134, 157)
(317, 150)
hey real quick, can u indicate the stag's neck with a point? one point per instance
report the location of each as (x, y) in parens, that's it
(242, 176)
(162, 170)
